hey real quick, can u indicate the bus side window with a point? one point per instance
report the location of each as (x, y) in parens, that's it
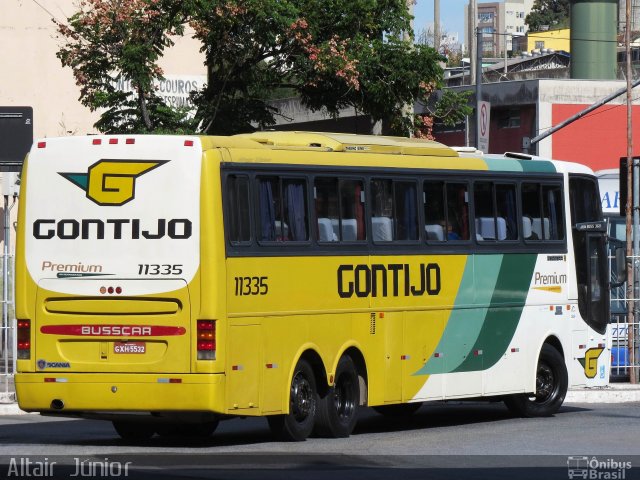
(382, 210)
(238, 208)
(435, 223)
(532, 224)
(352, 211)
(395, 210)
(282, 209)
(506, 210)
(339, 206)
(458, 211)
(552, 209)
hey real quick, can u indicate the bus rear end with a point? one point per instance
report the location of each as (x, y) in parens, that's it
(107, 272)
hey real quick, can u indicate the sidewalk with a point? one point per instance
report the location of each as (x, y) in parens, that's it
(613, 393)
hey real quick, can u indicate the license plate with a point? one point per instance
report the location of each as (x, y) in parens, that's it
(129, 347)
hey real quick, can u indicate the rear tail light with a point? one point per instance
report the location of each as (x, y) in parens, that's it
(206, 338)
(24, 339)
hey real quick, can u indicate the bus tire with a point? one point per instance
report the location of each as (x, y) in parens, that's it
(552, 382)
(297, 425)
(398, 409)
(134, 431)
(337, 413)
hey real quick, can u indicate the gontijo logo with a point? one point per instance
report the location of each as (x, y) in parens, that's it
(112, 182)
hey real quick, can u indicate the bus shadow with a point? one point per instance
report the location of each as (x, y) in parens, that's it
(250, 431)
(442, 414)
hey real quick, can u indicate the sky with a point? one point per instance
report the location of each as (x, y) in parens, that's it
(451, 16)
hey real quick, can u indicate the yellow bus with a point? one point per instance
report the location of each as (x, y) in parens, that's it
(167, 282)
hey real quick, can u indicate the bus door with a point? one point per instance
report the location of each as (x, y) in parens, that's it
(590, 249)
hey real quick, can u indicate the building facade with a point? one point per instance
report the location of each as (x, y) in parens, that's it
(34, 77)
(499, 22)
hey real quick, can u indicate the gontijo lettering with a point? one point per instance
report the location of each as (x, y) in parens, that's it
(393, 279)
(113, 229)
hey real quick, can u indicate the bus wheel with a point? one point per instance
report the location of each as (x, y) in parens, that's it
(338, 409)
(303, 402)
(134, 431)
(398, 409)
(551, 387)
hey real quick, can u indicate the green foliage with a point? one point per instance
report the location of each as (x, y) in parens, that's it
(551, 13)
(333, 54)
(108, 41)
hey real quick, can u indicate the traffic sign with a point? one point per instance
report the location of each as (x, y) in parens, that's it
(485, 121)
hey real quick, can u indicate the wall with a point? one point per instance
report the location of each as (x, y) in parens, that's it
(598, 139)
(33, 76)
(554, 39)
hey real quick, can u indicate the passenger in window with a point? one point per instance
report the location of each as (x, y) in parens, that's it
(453, 233)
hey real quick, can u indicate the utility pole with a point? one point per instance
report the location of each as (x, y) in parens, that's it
(478, 85)
(632, 210)
(436, 25)
(471, 28)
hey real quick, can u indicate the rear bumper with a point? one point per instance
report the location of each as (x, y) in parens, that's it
(93, 392)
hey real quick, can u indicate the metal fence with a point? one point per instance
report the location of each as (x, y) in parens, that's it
(622, 333)
(8, 338)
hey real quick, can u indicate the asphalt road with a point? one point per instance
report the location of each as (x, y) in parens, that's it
(449, 441)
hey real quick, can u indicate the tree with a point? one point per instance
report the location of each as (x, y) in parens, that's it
(111, 41)
(548, 13)
(332, 53)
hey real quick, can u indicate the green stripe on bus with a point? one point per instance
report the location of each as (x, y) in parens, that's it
(503, 165)
(501, 322)
(537, 166)
(465, 321)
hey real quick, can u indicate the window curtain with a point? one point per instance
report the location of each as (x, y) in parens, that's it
(410, 213)
(360, 213)
(553, 213)
(267, 212)
(296, 217)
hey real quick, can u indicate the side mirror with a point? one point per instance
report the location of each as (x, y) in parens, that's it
(620, 266)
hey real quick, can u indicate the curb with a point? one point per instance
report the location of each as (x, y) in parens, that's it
(621, 393)
(11, 409)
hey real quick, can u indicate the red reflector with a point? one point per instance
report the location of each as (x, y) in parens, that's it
(188, 143)
(130, 141)
(49, 380)
(42, 144)
(206, 345)
(113, 141)
(206, 325)
(97, 141)
(175, 380)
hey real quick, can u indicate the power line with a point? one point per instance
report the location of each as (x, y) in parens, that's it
(53, 17)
